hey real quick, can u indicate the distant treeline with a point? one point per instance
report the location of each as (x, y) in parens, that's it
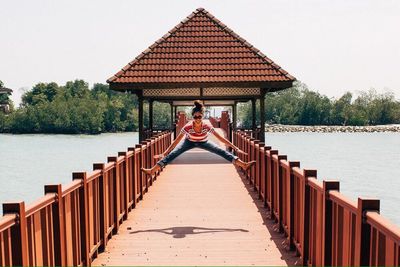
(301, 106)
(75, 108)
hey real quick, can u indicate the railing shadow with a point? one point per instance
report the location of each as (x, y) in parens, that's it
(183, 231)
(280, 241)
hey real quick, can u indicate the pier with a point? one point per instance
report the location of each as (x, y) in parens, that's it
(199, 210)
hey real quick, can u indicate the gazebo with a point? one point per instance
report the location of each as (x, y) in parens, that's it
(201, 58)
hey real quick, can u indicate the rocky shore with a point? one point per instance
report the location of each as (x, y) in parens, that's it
(278, 128)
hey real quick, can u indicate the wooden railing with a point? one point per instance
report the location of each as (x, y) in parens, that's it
(323, 226)
(71, 224)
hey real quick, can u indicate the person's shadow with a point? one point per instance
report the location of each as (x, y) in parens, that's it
(182, 231)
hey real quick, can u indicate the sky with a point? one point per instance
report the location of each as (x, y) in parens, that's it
(332, 46)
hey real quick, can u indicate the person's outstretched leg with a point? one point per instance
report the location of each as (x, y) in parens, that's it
(185, 146)
(213, 148)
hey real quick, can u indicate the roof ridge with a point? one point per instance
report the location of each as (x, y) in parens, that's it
(256, 51)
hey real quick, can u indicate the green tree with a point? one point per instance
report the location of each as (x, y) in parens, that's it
(40, 93)
(342, 110)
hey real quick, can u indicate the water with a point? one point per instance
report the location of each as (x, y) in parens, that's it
(366, 164)
(28, 162)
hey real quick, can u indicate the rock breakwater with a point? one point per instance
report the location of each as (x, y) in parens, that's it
(278, 128)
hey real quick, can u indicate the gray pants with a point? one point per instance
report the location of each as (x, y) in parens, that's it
(187, 145)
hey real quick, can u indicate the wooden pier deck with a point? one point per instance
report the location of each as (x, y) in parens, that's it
(200, 211)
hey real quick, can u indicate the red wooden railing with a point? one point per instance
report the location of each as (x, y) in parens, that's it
(321, 224)
(71, 224)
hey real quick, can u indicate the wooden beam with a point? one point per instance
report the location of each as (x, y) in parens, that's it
(140, 113)
(253, 112)
(234, 115)
(272, 86)
(151, 114)
(262, 119)
(172, 115)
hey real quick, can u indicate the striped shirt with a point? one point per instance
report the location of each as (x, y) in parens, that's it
(193, 136)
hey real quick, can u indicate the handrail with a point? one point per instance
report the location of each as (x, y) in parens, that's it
(7, 221)
(79, 218)
(93, 175)
(39, 204)
(385, 226)
(321, 224)
(71, 187)
(314, 183)
(343, 201)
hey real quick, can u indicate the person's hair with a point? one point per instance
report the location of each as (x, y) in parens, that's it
(198, 107)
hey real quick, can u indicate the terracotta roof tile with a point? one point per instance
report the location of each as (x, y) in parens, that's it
(201, 49)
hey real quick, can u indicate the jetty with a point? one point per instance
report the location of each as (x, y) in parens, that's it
(199, 210)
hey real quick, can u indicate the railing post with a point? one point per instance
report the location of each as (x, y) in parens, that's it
(326, 254)
(19, 239)
(259, 166)
(103, 207)
(84, 220)
(126, 182)
(265, 178)
(306, 222)
(363, 231)
(140, 178)
(279, 192)
(134, 178)
(117, 193)
(292, 164)
(58, 225)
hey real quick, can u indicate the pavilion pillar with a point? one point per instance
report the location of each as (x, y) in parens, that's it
(234, 114)
(141, 135)
(172, 115)
(175, 111)
(253, 112)
(151, 114)
(262, 118)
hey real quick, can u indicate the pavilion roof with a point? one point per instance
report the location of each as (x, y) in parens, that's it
(201, 51)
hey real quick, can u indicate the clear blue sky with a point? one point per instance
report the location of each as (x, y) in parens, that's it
(332, 46)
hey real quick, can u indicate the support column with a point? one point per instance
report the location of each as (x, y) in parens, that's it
(175, 107)
(262, 118)
(253, 112)
(234, 115)
(140, 118)
(151, 114)
(172, 115)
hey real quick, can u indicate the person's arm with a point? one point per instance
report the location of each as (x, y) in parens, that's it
(227, 142)
(171, 147)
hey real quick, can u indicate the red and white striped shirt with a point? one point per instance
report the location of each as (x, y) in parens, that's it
(193, 136)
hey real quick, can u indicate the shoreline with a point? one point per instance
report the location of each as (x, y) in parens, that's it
(280, 128)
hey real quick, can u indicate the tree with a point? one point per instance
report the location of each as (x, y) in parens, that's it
(341, 110)
(40, 93)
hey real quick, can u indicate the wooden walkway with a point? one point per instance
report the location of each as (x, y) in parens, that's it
(200, 211)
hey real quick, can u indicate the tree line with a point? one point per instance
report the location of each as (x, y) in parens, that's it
(301, 106)
(74, 108)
